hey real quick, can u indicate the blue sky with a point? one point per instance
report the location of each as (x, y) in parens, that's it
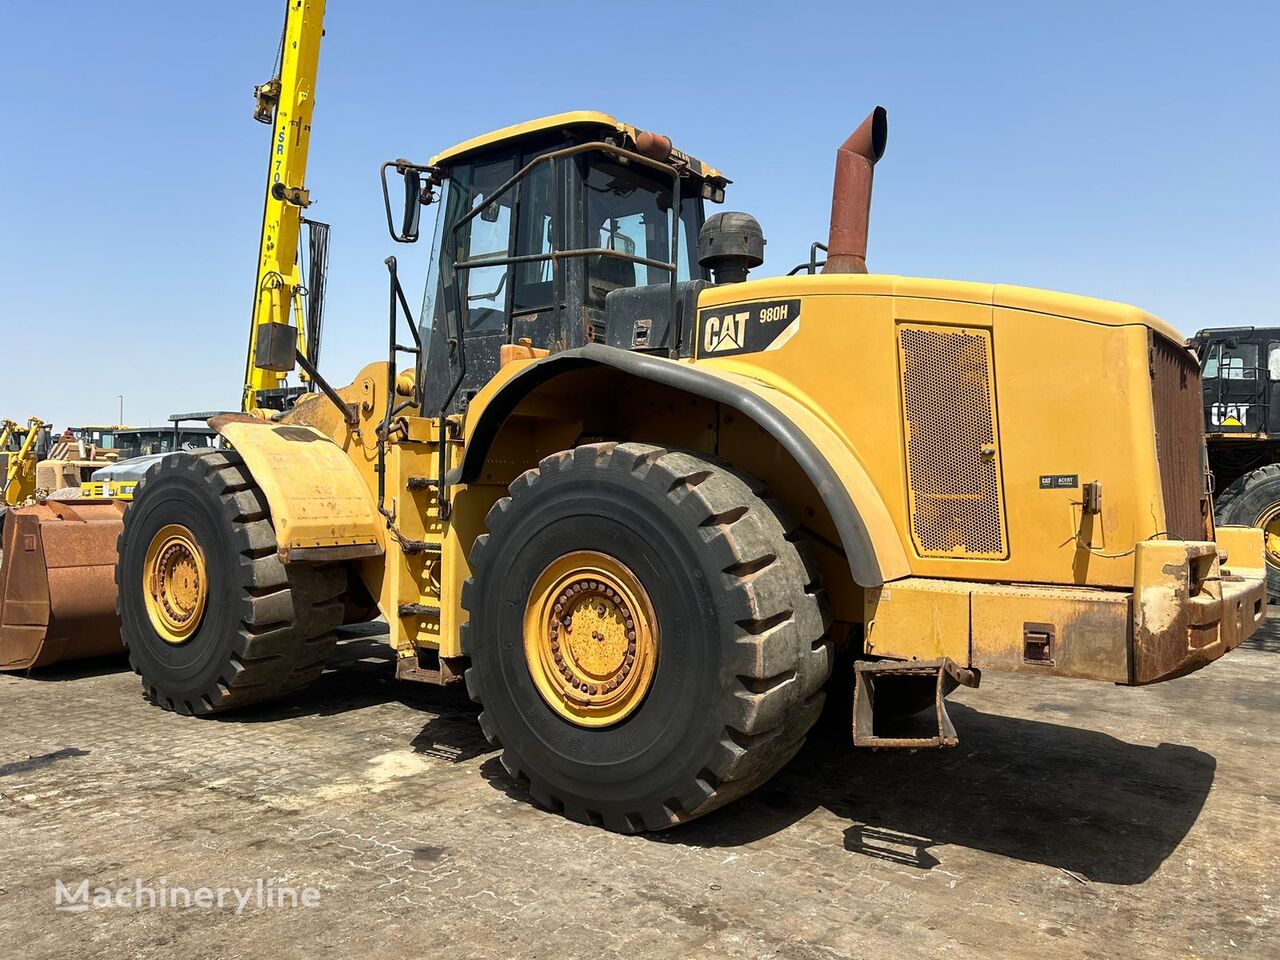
(1126, 151)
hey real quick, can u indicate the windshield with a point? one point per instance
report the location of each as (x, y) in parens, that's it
(133, 445)
(433, 294)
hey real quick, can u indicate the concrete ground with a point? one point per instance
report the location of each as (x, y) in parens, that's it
(1074, 820)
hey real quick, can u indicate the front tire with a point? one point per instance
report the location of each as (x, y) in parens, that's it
(211, 617)
(700, 650)
(1253, 500)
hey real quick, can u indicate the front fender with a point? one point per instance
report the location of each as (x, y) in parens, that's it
(320, 506)
(866, 531)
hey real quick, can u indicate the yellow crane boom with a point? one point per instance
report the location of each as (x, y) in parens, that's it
(286, 101)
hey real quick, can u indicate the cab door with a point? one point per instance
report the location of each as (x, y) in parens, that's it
(1235, 386)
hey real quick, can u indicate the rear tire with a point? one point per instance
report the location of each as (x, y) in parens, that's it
(1252, 501)
(742, 650)
(264, 628)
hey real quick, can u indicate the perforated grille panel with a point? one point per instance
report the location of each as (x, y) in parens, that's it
(953, 462)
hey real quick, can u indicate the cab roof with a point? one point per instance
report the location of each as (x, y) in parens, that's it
(572, 118)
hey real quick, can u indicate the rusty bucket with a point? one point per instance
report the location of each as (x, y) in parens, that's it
(57, 583)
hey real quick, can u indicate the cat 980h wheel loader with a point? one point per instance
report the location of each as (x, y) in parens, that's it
(641, 503)
(638, 501)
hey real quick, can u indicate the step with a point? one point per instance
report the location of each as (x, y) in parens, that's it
(868, 675)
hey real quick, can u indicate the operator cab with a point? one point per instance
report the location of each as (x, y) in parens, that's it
(553, 234)
(1240, 367)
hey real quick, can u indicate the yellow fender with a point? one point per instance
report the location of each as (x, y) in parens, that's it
(320, 505)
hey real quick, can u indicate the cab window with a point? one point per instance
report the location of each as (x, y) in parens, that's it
(488, 235)
(534, 238)
(628, 209)
(1232, 362)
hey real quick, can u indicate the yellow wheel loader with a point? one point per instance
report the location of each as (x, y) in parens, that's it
(642, 503)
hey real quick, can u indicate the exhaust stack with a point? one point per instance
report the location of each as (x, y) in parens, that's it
(851, 196)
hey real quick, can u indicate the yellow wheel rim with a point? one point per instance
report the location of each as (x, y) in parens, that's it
(590, 639)
(1270, 524)
(177, 586)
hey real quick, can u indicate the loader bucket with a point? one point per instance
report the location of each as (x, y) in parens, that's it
(57, 583)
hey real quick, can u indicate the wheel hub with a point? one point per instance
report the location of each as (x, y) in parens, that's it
(1270, 524)
(177, 586)
(590, 639)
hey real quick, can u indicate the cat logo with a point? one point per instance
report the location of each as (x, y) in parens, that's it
(1229, 414)
(736, 328)
(724, 333)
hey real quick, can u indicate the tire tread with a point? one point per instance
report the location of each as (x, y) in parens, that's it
(780, 657)
(288, 613)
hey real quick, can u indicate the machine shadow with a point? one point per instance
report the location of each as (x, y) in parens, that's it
(1079, 800)
(360, 674)
(1267, 639)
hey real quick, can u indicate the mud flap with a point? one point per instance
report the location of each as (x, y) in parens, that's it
(868, 675)
(57, 583)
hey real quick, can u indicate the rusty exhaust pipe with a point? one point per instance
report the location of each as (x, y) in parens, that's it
(851, 195)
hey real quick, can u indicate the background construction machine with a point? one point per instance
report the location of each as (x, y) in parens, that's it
(57, 593)
(1240, 369)
(74, 455)
(21, 448)
(642, 503)
(139, 448)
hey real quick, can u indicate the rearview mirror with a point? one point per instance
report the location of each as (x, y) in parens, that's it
(412, 205)
(416, 193)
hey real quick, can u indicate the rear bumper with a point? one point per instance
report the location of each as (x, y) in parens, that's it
(1188, 607)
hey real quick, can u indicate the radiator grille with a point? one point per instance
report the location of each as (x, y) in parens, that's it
(953, 465)
(1179, 411)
